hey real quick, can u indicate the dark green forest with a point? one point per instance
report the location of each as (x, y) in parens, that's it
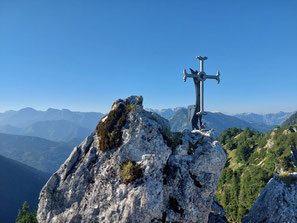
(253, 159)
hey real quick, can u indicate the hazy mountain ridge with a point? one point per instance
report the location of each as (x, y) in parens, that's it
(19, 183)
(217, 121)
(52, 124)
(36, 152)
(45, 124)
(268, 119)
(27, 116)
(292, 120)
(56, 130)
(166, 112)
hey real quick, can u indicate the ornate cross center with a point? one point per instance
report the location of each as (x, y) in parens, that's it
(199, 77)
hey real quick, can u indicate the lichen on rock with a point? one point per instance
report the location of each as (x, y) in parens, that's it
(145, 174)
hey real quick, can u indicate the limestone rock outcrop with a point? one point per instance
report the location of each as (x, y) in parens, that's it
(133, 169)
(277, 201)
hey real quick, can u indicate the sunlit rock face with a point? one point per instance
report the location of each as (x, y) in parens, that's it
(133, 169)
(277, 201)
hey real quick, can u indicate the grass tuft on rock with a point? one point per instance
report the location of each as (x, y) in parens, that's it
(130, 171)
(109, 130)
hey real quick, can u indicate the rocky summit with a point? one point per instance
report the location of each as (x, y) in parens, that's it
(132, 168)
(277, 201)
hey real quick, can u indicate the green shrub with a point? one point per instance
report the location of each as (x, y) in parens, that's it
(24, 216)
(228, 134)
(130, 171)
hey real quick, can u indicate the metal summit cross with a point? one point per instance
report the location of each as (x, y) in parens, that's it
(199, 77)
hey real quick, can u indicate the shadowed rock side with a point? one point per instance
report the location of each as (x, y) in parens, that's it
(277, 201)
(150, 175)
(217, 213)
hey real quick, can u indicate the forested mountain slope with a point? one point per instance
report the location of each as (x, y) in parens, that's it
(253, 159)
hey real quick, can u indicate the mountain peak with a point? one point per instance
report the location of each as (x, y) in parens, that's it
(27, 109)
(133, 169)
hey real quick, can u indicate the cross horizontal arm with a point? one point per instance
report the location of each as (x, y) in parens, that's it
(186, 75)
(216, 77)
(189, 75)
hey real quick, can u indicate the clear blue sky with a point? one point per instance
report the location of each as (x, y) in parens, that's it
(82, 55)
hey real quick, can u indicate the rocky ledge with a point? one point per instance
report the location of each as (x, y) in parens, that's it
(133, 169)
(277, 201)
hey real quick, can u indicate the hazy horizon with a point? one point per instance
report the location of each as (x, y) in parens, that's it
(105, 112)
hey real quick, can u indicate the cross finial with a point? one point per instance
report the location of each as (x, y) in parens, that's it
(199, 78)
(201, 62)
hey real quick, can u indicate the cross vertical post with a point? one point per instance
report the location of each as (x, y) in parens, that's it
(199, 77)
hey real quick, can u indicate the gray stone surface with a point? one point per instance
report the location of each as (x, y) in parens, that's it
(276, 203)
(217, 213)
(175, 186)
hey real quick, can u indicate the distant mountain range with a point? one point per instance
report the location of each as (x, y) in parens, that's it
(52, 124)
(36, 152)
(18, 183)
(217, 121)
(165, 113)
(55, 130)
(65, 125)
(268, 119)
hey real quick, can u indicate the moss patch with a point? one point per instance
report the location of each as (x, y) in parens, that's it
(109, 131)
(130, 171)
(288, 179)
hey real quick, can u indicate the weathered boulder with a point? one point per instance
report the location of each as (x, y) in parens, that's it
(277, 201)
(133, 169)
